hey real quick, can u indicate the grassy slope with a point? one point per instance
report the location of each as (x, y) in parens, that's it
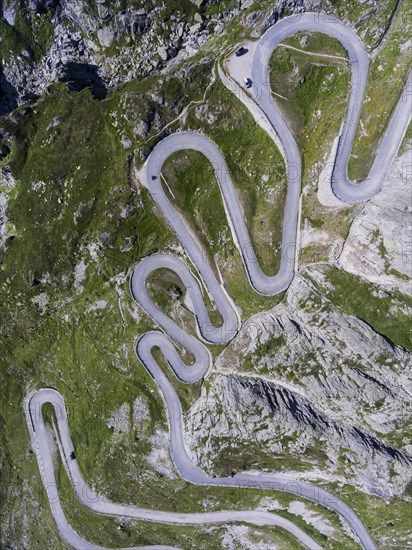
(86, 354)
(261, 189)
(316, 90)
(311, 84)
(391, 67)
(251, 158)
(83, 352)
(189, 176)
(77, 341)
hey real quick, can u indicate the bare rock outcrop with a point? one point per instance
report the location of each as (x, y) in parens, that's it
(379, 244)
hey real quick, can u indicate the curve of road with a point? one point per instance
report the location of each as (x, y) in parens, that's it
(86, 495)
(343, 188)
(151, 174)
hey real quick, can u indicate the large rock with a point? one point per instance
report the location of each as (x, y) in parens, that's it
(103, 11)
(9, 13)
(300, 377)
(195, 28)
(141, 128)
(379, 244)
(105, 36)
(181, 29)
(162, 51)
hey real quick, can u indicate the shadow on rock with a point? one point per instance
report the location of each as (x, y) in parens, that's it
(8, 95)
(82, 75)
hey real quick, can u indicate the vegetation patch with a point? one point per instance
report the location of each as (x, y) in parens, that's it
(357, 297)
(311, 91)
(388, 74)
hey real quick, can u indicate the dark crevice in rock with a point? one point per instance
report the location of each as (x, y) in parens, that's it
(296, 325)
(376, 445)
(8, 95)
(392, 345)
(374, 380)
(43, 6)
(305, 414)
(83, 75)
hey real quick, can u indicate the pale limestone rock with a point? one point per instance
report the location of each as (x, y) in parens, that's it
(119, 421)
(379, 245)
(105, 36)
(162, 51)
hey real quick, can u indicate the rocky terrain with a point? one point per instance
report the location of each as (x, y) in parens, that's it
(101, 44)
(316, 382)
(378, 246)
(95, 44)
(346, 409)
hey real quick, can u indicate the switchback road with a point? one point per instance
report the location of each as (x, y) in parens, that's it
(173, 334)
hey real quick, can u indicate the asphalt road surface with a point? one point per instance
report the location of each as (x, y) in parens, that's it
(343, 188)
(171, 332)
(42, 447)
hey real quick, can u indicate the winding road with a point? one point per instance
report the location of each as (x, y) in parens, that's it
(263, 284)
(86, 495)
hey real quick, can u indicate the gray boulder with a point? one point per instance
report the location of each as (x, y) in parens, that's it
(162, 51)
(195, 28)
(105, 36)
(142, 128)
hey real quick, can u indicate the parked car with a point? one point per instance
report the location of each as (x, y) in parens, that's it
(248, 82)
(241, 51)
(72, 455)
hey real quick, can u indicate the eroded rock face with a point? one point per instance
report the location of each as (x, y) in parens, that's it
(122, 42)
(68, 55)
(315, 380)
(121, 45)
(283, 424)
(379, 245)
(312, 388)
